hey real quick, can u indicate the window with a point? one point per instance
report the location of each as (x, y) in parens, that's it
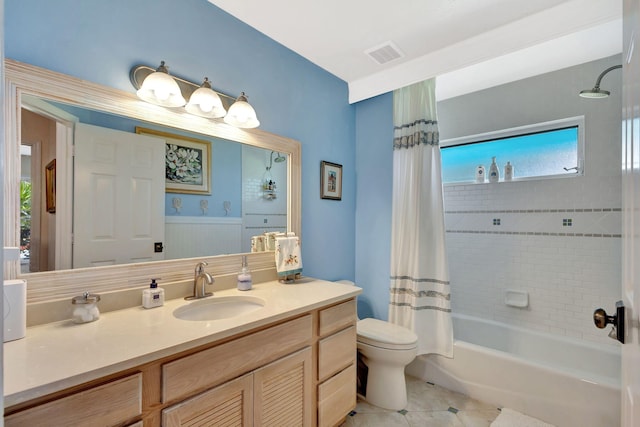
(551, 149)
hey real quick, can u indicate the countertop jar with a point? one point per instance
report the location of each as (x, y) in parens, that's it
(85, 308)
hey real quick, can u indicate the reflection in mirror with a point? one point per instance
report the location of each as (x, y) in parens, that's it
(22, 80)
(136, 196)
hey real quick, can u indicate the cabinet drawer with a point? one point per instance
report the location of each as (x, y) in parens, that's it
(338, 317)
(336, 352)
(200, 371)
(337, 397)
(108, 404)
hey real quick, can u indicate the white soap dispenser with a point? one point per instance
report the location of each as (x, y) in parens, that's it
(154, 296)
(494, 172)
(244, 276)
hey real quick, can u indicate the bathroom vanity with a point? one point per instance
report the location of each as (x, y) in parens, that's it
(291, 362)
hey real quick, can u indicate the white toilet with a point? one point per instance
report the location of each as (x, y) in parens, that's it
(385, 349)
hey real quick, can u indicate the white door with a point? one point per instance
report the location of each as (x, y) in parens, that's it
(118, 197)
(631, 216)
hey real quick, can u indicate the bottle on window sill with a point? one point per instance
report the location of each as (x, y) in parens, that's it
(508, 172)
(494, 172)
(480, 173)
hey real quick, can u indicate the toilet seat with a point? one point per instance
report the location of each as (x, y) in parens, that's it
(379, 333)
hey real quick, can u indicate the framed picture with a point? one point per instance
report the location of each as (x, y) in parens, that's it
(330, 181)
(50, 185)
(187, 162)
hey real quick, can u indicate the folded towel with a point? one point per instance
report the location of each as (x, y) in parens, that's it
(288, 256)
(258, 244)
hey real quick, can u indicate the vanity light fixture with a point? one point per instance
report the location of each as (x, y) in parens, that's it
(241, 114)
(596, 92)
(160, 88)
(203, 100)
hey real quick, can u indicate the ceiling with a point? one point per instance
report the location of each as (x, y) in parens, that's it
(468, 44)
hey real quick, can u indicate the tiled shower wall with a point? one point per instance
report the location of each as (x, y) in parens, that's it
(566, 258)
(556, 239)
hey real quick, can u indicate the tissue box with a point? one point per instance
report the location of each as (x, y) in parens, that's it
(15, 309)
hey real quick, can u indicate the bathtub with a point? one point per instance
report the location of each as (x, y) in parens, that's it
(560, 380)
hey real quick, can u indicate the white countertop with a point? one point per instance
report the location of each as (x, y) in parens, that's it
(59, 355)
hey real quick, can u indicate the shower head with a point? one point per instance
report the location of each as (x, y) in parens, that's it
(596, 92)
(279, 159)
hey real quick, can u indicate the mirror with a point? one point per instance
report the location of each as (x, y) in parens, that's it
(30, 85)
(209, 205)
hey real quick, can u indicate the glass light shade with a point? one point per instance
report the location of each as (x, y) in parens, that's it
(241, 114)
(160, 88)
(205, 102)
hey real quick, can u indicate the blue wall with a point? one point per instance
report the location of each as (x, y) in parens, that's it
(101, 40)
(374, 167)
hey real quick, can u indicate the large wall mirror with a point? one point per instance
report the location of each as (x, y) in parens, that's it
(47, 113)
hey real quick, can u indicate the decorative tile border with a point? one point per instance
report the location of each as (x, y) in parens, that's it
(497, 222)
(536, 233)
(534, 211)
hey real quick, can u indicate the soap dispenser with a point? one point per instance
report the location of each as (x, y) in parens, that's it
(244, 276)
(494, 172)
(154, 296)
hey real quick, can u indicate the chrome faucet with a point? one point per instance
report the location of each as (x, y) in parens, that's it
(204, 278)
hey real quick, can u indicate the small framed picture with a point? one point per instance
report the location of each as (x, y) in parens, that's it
(187, 162)
(50, 185)
(330, 181)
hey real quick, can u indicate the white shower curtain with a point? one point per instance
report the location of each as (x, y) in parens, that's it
(420, 294)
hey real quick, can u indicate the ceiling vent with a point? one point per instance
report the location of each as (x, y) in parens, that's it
(386, 52)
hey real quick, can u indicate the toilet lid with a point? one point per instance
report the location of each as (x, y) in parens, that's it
(384, 334)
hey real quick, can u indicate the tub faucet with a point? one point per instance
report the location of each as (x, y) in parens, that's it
(204, 278)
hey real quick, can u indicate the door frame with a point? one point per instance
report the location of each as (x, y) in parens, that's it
(630, 286)
(65, 125)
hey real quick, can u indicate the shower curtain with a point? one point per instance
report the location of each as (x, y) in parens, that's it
(420, 294)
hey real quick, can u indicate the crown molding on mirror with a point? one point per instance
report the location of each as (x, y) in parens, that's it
(24, 79)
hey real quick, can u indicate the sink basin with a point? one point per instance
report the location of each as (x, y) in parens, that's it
(216, 308)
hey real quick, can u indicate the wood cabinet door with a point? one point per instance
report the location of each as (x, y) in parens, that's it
(282, 392)
(230, 404)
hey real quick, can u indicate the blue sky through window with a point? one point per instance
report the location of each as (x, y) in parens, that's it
(532, 155)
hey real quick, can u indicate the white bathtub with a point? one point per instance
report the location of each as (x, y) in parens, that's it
(563, 381)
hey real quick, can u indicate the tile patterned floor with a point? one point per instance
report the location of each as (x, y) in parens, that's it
(428, 406)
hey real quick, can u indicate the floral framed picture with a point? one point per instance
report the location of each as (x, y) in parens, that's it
(330, 181)
(187, 162)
